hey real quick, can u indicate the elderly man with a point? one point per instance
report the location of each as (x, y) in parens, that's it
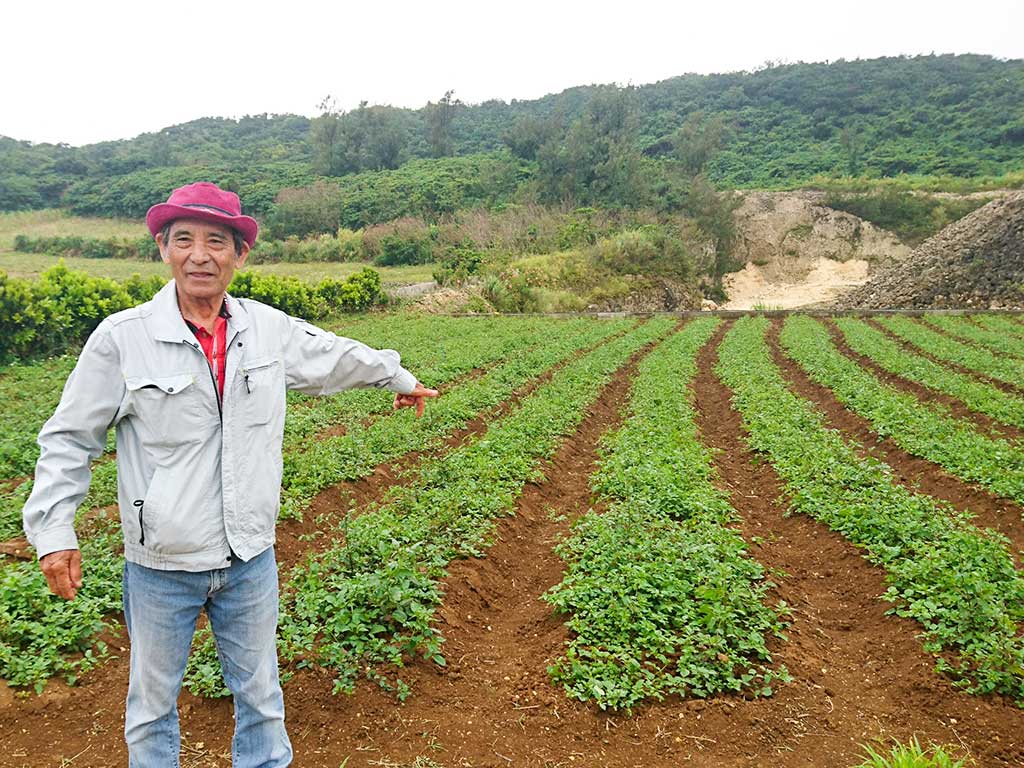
(194, 382)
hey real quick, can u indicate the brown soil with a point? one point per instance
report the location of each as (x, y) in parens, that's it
(858, 673)
(913, 472)
(985, 424)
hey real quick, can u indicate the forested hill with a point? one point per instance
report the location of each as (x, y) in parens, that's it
(956, 116)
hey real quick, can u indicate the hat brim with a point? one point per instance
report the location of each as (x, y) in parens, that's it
(160, 214)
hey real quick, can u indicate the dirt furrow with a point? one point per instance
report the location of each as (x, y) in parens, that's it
(493, 702)
(914, 472)
(985, 424)
(91, 712)
(858, 673)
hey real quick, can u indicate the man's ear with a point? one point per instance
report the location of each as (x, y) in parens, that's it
(240, 260)
(159, 237)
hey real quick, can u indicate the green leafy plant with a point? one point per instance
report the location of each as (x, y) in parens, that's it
(912, 755)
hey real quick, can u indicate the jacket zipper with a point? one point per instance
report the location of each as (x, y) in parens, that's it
(213, 378)
(140, 503)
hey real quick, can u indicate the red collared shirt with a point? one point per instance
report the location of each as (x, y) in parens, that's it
(215, 345)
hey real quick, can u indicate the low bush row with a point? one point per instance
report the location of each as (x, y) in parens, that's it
(959, 582)
(58, 311)
(90, 247)
(661, 593)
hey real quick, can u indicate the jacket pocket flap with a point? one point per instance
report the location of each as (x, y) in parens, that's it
(167, 384)
(252, 366)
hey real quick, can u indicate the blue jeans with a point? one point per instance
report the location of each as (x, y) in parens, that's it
(160, 609)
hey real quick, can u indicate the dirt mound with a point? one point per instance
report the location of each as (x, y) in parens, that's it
(974, 263)
(797, 251)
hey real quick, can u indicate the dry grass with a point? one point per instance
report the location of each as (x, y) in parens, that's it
(51, 223)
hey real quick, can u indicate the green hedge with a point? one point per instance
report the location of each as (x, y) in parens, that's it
(58, 311)
(90, 247)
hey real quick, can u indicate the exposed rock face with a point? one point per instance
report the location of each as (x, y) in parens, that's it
(974, 263)
(796, 251)
(785, 233)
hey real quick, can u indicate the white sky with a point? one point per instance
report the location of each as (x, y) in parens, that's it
(81, 72)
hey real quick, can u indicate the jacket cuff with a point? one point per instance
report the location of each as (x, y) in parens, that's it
(54, 540)
(402, 382)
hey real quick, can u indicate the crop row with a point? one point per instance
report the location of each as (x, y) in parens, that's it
(922, 429)
(661, 594)
(370, 601)
(1005, 369)
(957, 581)
(1009, 324)
(353, 455)
(976, 395)
(41, 636)
(962, 328)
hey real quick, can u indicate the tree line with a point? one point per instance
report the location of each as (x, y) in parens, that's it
(781, 125)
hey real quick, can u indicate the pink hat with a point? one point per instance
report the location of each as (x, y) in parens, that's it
(205, 201)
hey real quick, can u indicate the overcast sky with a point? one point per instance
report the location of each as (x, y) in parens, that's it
(81, 72)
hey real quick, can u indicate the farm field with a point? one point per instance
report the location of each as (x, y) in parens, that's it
(31, 265)
(51, 223)
(611, 541)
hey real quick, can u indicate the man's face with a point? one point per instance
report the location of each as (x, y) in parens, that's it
(202, 257)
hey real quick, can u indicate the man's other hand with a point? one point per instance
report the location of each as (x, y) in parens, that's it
(63, 572)
(418, 398)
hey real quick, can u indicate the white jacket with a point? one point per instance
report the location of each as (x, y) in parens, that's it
(197, 479)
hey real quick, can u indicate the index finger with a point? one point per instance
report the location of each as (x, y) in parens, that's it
(421, 391)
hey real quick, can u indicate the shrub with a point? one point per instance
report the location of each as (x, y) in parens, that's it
(458, 264)
(650, 250)
(289, 294)
(396, 251)
(60, 310)
(356, 293)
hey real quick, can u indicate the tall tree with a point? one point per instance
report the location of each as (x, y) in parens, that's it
(324, 134)
(597, 160)
(439, 120)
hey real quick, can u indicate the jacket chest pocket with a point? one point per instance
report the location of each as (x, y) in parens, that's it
(170, 409)
(259, 391)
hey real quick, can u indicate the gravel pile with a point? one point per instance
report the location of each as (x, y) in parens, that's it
(974, 263)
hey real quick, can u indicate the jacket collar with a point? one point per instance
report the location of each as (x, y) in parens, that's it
(169, 325)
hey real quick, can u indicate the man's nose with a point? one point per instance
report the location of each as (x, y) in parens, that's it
(200, 252)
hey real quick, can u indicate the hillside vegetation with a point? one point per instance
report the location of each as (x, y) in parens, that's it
(955, 117)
